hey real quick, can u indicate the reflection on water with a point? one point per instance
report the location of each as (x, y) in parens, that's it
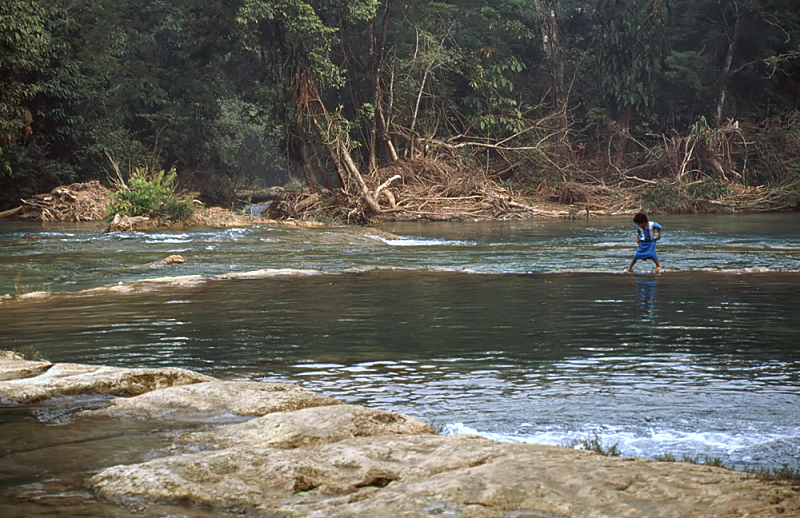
(537, 357)
(647, 298)
(520, 331)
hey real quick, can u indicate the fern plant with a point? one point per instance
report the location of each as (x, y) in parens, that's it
(152, 195)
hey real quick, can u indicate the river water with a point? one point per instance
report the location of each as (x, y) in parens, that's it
(520, 331)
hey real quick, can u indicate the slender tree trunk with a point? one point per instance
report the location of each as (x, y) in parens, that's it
(384, 128)
(551, 41)
(434, 63)
(305, 164)
(725, 77)
(378, 51)
(375, 68)
(351, 167)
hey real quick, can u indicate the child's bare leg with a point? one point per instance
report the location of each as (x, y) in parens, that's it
(658, 266)
(631, 266)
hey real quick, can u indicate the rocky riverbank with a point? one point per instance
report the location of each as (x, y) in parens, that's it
(294, 453)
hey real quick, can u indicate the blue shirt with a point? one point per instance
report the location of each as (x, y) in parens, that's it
(648, 233)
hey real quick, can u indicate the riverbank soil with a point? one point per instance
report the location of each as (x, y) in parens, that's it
(436, 190)
(299, 454)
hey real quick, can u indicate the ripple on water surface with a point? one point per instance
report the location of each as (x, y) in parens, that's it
(448, 323)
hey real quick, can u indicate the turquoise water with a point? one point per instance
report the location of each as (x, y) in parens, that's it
(523, 331)
(71, 257)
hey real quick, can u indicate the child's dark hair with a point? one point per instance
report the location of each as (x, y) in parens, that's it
(640, 218)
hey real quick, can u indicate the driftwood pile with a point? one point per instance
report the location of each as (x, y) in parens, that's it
(423, 189)
(438, 190)
(76, 202)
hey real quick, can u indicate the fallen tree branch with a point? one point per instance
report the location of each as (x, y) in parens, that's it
(386, 184)
(11, 213)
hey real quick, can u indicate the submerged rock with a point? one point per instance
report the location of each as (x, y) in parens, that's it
(168, 260)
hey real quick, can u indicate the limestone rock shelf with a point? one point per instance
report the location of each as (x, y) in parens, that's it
(293, 453)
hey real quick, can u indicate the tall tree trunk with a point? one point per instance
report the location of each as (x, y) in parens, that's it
(384, 130)
(305, 160)
(374, 71)
(414, 139)
(378, 45)
(333, 137)
(551, 40)
(725, 77)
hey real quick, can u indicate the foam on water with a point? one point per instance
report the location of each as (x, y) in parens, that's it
(737, 449)
(421, 242)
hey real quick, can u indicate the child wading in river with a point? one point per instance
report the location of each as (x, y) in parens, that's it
(645, 240)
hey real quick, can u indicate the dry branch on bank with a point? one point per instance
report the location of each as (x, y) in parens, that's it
(706, 151)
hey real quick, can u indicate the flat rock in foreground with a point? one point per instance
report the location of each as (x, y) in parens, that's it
(424, 475)
(311, 456)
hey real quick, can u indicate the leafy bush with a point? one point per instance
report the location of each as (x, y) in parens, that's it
(708, 189)
(664, 197)
(151, 195)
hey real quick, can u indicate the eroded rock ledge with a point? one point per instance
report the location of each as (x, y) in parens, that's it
(301, 454)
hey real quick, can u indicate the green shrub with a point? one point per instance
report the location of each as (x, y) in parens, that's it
(664, 197)
(294, 183)
(708, 189)
(151, 195)
(334, 216)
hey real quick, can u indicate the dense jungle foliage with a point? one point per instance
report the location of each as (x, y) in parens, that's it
(692, 99)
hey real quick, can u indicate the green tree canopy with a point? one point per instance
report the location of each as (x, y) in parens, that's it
(213, 88)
